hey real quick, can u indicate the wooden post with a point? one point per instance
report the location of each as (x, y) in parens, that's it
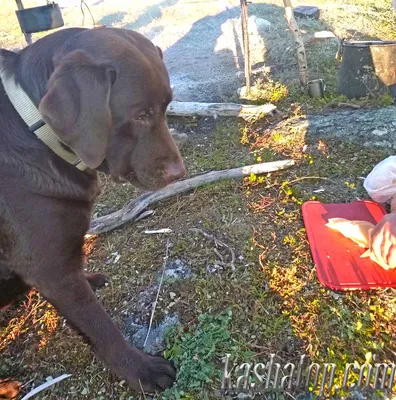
(301, 55)
(245, 38)
(28, 36)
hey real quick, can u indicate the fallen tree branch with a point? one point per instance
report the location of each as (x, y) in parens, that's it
(245, 111)
(133, 209)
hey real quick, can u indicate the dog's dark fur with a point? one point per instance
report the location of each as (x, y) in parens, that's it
(104, 92)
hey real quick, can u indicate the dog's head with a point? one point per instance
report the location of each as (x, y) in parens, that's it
(107, 99)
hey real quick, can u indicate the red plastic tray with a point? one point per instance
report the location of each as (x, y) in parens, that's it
(337, 259)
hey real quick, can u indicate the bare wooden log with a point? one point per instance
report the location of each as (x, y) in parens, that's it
(245, 111)
(301, 55)
(133, 209)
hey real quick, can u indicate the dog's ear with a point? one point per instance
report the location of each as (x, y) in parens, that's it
(160, 52)
(8, 59)
(76, 106)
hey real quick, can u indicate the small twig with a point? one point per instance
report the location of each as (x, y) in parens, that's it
(298, 180)
(27, 383)
(141, 388)
(158, 292)
(350, 105)
(45, 385)
(218, 243)
(157, 231)
(218, 254)
(307, 177)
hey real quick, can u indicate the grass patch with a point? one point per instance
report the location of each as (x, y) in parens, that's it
(196, 352)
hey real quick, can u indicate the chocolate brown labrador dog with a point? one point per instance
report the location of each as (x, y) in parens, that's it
(103, 94)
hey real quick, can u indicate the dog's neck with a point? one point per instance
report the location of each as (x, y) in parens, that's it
(32, 118)
(25, 94)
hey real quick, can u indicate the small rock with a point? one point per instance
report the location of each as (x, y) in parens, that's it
(307, 12)
(177, 269)
(240, 76)
(356, 395)
(137, 333)
(380, 132)
(261, 24)
(172, 295)
(336, 296)
(244, 396)
(242, 91)
(211, 269)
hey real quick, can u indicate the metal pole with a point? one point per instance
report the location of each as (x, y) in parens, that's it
(28, 36)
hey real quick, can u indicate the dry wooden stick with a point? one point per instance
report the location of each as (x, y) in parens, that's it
(301, 55)
(133, 209)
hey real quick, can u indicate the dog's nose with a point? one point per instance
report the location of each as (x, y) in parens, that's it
(174, 171)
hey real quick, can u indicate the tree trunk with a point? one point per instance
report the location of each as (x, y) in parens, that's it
(301, 55)
(245, 39)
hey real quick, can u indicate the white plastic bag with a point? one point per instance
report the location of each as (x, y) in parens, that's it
(381, 181)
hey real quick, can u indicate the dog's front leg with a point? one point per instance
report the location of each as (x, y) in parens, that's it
(75, 300)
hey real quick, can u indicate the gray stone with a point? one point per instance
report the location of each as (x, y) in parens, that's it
(177, 269)
(136, 333)
(380, 132)
(240, 76)
(355, 125)
(261, 24)
(211, 269)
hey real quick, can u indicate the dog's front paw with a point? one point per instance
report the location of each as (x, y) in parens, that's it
(97, 281)
(154, 374)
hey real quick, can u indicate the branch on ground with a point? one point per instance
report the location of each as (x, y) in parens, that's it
(132, 210)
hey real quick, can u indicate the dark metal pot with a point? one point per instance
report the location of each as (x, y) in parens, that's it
(38, 19)
(367, 67)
